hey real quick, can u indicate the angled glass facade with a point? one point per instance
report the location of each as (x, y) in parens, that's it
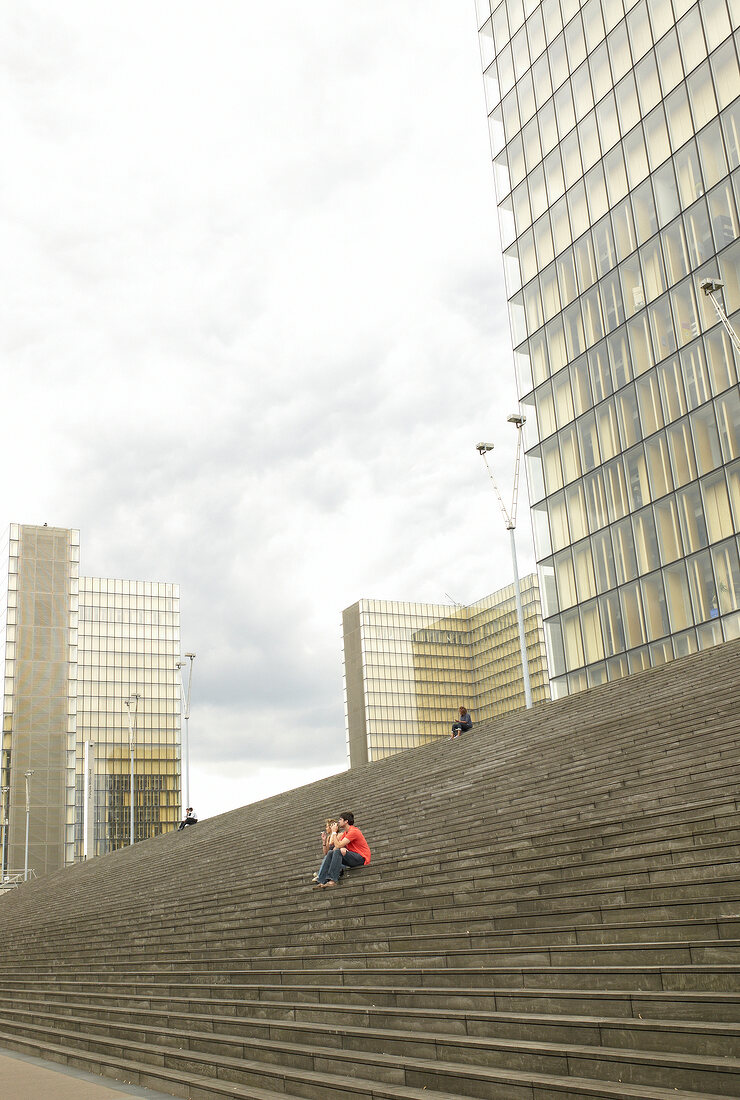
(408, 667)
(615, 133)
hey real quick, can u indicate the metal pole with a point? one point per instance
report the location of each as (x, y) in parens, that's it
(28, 818)
(5, 793)
(185, 753)
(131, 730)
(520, 617)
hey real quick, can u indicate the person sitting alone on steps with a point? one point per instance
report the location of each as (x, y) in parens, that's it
(346, 848)
(463, 724)
(189, 819)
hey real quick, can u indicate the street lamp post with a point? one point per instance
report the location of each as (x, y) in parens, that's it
(710, 288)
(133, 699)
(5, 795)
(186, 731)
(510, 520)
(28, 818)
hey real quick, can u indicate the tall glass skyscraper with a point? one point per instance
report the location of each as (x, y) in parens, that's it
(615, 132)
(408, 667)
(72, 649)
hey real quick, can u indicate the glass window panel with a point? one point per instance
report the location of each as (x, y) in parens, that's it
(723, 215)
(530, 139)
(512, 271)
(527, 256)
(667, 205)
(545, 410)
(604, 249)
(541, 531)
(535, 475)
(563, 398)
(592, 640)
(583, 97)
(555, 651)
(624, 229)
(685, 312)
(539, 365)
(537, 193)
(580, 386)
(730, 273)
(520, 52)
(695, 375)
(717, 507)
(611, 624)
(675, 252)
(648, 84)
(633, 293)
(541, 80)
(728, 419)
(616, 489)
(548, 127)
(661, 17)
(656, 138)
(558, 521)
(567, 277)
(574, 335)
(613, 11)
(635, 156)
(612, 303)
(669, 62)
(648, 396)
(628, 105)
(616, 175)
(668, 530)
(588, 134)
(619, 51)
(631, 601)
(603, 559)
(620, 358)
(698, 234)
(681, 449)
(691, 518)
(572, 641)
(533, 306)
(570, 457)
(517, 319)
(629, 422)
(601, 379)
(690, 185)
(654, 604)
(548, 591)
(651, 259)
(596, 504)
(671, 388)
(554, 176)
(575, 43)
(572, 166)
(543, 241)
(706, 439)
(555, 339)
(659, 466)
(577, 516)
(731, 129)
(712, 154)
(593, 23)
(646, 541)
(585, 261)
(721, 360)
(551, 463)
(691, 40)
(677, 596)
(520, 206)
(646, 220)
(701, 96)
(525, 90)
(727, 572)
(578, 208)
(725, 69)
(592, 323)
(564, 109)
(678, 114)
(639, 29)
(733, 483)
(588, 441)
(637, 478)
(584, 571)
(560, 227)
(661, 324)
(716, 22)
(565, 578)
(701, 584)
(606, 422)
(601, 76)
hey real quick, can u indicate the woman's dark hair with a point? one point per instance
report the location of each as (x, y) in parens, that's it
(349, 818)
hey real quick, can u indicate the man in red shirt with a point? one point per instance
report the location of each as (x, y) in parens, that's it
(347, 848)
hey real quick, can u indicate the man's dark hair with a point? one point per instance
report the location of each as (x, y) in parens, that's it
(349, 818)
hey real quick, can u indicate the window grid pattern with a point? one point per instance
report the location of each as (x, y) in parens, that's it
(615, 132)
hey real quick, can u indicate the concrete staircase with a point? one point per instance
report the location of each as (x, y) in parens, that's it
(552, 911)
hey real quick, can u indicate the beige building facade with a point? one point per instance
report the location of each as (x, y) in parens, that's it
(72, 650)
(408, 667)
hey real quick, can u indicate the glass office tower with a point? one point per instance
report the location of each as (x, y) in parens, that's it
(408, 667)
(72, 649)
(615, 131)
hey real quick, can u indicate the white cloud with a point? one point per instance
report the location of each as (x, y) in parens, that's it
(253, 321)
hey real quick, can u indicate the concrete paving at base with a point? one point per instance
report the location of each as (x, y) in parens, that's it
(25, 1078)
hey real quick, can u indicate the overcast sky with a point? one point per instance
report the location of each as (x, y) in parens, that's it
(253, 323)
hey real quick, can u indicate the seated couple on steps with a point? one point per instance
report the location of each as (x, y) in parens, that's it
(344, 846)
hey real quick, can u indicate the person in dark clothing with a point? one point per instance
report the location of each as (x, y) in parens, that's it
(189, 819)
(463, 724)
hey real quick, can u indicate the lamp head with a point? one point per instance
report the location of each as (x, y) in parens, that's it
(481, 448)
(191, 656)
(517, 419)
(711, 286)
